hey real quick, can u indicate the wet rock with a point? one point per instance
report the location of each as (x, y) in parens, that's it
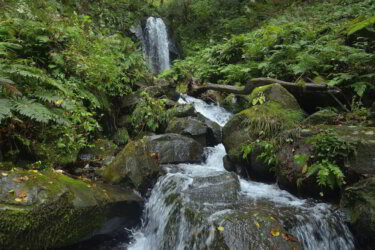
(175, 148)
(326, 117)
(137, 164)
(278, 112)
(42, 210)
(359, 203)
(212, 210)
(193, 128)
(215, 128)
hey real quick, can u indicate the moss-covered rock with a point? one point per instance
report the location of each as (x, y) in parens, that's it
(278, 111)
(325, 116)
(184, 110)
(359, 202)
(136, 165)
(121, 137)
(42, 210)
(289, 173)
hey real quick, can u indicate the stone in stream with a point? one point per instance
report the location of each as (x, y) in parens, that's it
(279, 111)
(43, 210)
(194, 128)
(359, 203)
(211, 215)
(138, 164)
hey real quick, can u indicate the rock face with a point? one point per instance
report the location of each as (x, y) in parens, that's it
(362, 162)
(193, 128)
(359, 202)
(279, 111)
(138, 164)
(174, 148)
(212, 210)
(40, 210)
(327, 117)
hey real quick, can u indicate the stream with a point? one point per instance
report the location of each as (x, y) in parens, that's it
(199, 188)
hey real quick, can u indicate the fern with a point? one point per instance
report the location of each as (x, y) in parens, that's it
(327, 174)
(33, 110)
(5, 109)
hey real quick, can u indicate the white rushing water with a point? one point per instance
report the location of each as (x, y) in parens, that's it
(156, 38)
(317, 225)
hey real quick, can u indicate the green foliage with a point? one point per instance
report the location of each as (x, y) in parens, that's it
(329, 153)
(150, 114)
(60, 62)
(268, 151)
(329, 146)
(296, 45)
(327, 174)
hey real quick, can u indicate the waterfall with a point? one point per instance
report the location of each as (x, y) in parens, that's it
(156, 42)
(168, 226)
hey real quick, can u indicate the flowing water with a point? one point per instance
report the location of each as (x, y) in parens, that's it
(156, 39)
(316, 225)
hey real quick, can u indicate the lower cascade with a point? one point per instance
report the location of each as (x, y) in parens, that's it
(202, 206)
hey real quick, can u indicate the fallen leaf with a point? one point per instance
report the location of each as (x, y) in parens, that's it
(18, 200)
(289, 237)
(220, 228)
(4, 174)
(257, 224)
(272, 218)
(11, 191)
(59, 171)
(304, 170)
(275, 232)
(58, 102)
(256, 214)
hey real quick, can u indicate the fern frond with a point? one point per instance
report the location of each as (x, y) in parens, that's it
(5, 109)
(9, 85)
(33, 110)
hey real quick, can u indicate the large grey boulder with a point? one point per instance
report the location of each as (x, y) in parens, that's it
(359, 203)
(44, 210)
(175, 148)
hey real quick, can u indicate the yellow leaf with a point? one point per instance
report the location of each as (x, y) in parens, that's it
(34, 171)
(256, 214)
(220, 228)
(59, 102)
(275, 232)
(257, 224)
(4, 174)
(18, 200)
(304, 169)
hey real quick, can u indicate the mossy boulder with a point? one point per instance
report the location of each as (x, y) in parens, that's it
(43, 210)
(193, 128)
(326, 116)
(278, 111)
(121, 137)
(216, 129)
(359, 203)
(137, 164)
(184, 110)
(289, 173)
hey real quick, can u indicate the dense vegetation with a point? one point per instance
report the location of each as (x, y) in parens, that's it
(63, 64)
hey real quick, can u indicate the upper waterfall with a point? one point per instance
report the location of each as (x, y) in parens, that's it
(156, 39)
